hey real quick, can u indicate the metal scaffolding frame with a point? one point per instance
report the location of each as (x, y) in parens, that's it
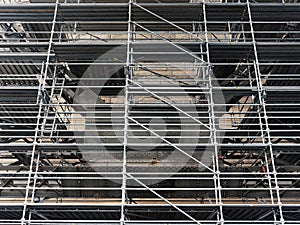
(147, 112)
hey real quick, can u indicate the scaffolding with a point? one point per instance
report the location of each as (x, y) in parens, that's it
(149, 112)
